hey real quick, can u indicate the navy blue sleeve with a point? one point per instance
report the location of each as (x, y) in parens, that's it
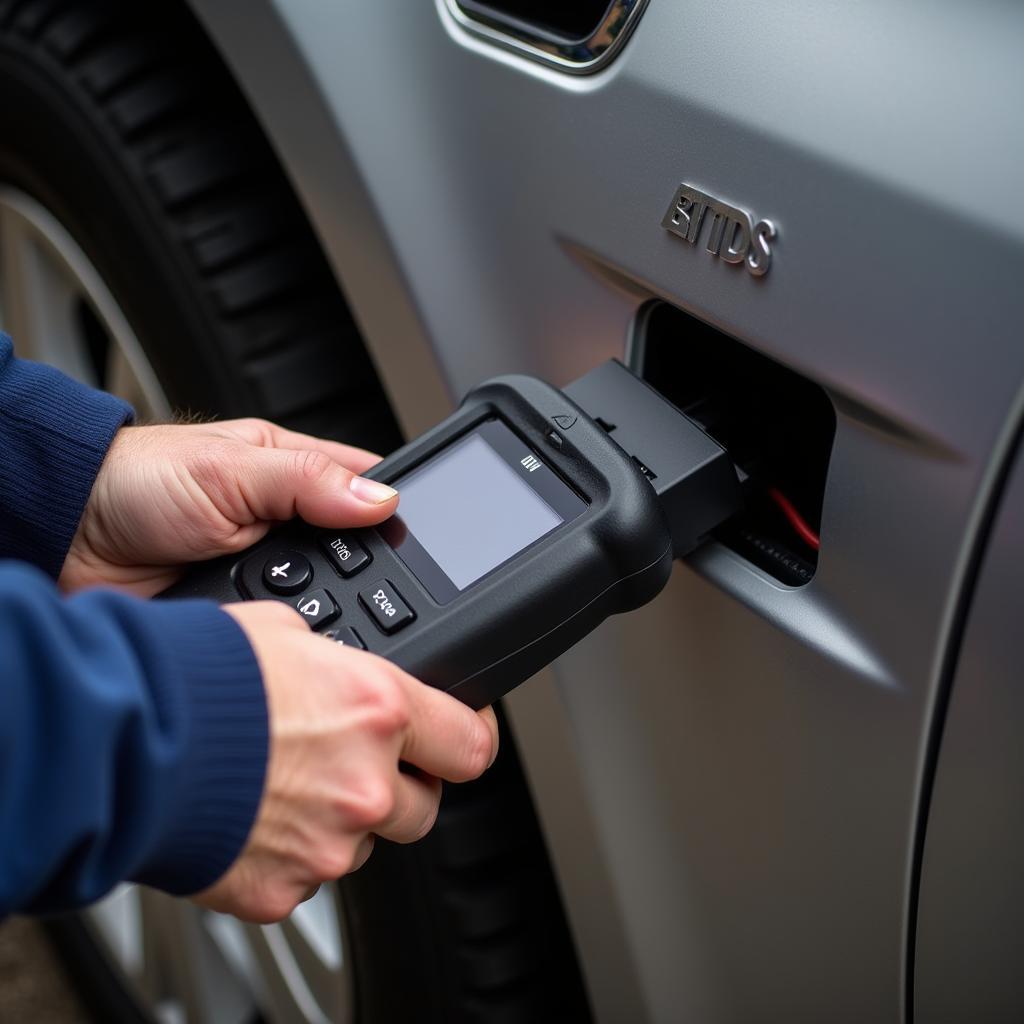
(133, 734)
(54, 433)
(133, 743)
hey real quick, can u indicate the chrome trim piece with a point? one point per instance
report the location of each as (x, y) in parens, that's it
(576, 56)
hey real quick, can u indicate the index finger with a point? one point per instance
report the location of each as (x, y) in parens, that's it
(359, 460)
(445, 737)
(267, 434)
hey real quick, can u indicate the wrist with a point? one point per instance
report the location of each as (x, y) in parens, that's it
(55, 435)
(225, 739)
(89, 554)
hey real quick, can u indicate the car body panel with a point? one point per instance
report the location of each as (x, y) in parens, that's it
(972, 888)
(729, 779)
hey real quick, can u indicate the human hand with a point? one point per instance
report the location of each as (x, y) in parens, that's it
(340, 722)
(169, 495)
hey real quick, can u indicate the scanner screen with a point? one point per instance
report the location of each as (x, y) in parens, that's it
(471, 510)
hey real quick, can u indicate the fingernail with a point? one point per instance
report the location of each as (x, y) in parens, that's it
(371, 491)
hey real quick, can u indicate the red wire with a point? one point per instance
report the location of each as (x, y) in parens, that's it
(797, 521)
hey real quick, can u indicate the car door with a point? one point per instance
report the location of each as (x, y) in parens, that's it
(731, 779)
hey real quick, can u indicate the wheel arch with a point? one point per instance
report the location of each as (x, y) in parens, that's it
(260, 49)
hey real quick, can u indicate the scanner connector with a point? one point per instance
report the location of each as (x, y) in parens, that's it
(692, 474)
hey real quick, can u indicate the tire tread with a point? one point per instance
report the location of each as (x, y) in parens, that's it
(155, 82)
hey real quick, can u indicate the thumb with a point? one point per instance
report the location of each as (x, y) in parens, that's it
(281, 483)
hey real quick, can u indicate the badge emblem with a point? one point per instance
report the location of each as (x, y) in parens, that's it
(732, 234)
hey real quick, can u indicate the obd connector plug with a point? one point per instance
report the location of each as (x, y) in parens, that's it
(692, 474)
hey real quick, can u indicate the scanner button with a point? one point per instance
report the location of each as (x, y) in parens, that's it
(317, 608)
(345, 635)
(287, 572)
(555, 438)
(347, 555)
(386, 606)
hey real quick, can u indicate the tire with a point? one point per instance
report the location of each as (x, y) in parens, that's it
(121, 120)
(467, 925)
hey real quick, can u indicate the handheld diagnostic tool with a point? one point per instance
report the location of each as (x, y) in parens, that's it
(525, 519)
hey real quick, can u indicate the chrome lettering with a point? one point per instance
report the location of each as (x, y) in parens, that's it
(732, 235)
(760, 259)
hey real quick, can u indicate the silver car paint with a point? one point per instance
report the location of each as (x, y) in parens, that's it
(972, 887)
(729, 779)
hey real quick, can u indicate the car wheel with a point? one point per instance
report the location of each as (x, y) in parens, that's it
(150, 244)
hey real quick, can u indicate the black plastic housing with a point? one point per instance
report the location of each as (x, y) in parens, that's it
(616, 556)
(693, 476)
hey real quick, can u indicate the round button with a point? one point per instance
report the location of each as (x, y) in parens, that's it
(287, 572)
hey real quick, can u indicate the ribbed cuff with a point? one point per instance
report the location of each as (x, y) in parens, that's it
(55, 434)
(220, 780)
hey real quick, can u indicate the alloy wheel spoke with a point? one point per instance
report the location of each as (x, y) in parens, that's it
(314, 937)
(13, 314)
(183, 965)
(188, 967)
(49, 289)
(39, 299)
(121, 379)
(303, 965)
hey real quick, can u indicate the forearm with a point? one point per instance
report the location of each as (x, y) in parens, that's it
(54, 434)
(133, 743)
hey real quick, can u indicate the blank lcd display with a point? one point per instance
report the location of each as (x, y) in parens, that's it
(470, 511)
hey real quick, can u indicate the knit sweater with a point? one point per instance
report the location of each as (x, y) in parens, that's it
(133, 734)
